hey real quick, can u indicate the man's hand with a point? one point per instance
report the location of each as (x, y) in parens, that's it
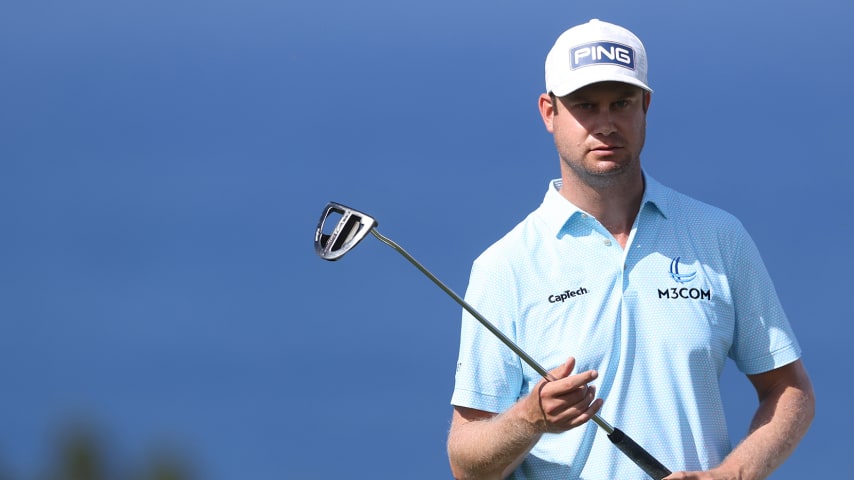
(487, 445)
(565, 401)
(710, 475)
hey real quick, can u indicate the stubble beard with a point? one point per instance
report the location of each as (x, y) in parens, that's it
(599, 176)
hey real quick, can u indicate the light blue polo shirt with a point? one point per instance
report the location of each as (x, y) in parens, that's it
(657, 320)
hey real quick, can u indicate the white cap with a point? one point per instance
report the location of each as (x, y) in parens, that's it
(595, 52)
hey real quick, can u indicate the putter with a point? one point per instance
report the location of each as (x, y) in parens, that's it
(353, 226)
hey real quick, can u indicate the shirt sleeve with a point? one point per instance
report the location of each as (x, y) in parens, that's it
(489, 375)
(763, 338)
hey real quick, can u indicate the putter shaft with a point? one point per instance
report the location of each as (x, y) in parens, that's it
(355, 225)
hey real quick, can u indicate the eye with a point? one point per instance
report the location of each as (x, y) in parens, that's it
(622, 103)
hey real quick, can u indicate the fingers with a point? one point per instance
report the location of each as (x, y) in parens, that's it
(563, 370)
(686, 476)
(570, 410)
(567, 401)
(562, 381)
(707, 475)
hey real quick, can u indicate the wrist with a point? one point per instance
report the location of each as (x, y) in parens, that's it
(528, 413)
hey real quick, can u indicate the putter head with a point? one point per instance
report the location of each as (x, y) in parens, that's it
(351, 228)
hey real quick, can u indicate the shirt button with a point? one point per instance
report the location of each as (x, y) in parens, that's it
(607, 242)
(583, 215)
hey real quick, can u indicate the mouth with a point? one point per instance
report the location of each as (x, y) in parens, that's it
(604, 149)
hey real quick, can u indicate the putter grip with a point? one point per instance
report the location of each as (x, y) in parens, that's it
(641, 457)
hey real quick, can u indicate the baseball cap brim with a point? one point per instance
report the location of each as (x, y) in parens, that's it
(568, 87)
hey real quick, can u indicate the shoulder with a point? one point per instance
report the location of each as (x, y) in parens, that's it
(520, 241)
(695, 215)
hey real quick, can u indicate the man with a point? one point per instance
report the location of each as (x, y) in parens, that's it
(632, 294)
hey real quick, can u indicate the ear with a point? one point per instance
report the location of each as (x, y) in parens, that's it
(547, 111)
(647, 98)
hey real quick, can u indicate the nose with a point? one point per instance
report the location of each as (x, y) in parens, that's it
(605, 123)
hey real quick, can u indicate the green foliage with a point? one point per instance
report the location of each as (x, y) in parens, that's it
(82, 454)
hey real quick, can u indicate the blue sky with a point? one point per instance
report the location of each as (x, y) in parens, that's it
(163, 166)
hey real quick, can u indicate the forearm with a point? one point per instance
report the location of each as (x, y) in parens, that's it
(483, 445)
(490, 448)
(779, 424)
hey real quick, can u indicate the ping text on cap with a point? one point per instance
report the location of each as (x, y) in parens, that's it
(598, 53)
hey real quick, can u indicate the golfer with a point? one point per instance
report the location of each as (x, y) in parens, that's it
(633, 296)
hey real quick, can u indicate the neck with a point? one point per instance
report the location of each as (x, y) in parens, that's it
(613, 202)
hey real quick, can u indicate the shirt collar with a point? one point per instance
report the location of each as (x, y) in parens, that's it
(557, 211)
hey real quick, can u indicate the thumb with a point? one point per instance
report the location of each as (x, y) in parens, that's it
(562, 371)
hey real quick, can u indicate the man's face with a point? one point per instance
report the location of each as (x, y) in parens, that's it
(599, 130)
